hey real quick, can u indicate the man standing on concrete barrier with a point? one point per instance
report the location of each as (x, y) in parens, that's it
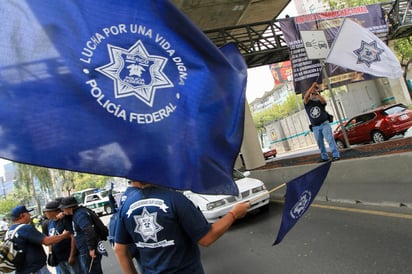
(319, 119)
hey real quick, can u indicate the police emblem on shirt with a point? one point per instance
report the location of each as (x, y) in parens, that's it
(147, 225)
(368, 53)
(136, 72)
(315, 112)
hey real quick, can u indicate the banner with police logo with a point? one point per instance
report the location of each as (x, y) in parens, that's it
(120, 88)
(300, 193)
(305, 70)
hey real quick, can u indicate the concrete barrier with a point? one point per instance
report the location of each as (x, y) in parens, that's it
(377, 180)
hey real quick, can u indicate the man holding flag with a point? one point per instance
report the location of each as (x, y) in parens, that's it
(167, 230)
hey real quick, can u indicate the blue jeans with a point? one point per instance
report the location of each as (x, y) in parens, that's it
(321, 132)
(85, 261)
(43, 270)
(66, 268)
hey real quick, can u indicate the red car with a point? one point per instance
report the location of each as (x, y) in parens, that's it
(376, 125)
(269, 152)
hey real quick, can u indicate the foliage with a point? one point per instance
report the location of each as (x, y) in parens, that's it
(85, 180)
(6, 205)
(50, 181)
(403, 48)
(292, 104)
(26, 176)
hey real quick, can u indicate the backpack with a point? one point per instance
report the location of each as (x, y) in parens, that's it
(10, 256)
(99, 227)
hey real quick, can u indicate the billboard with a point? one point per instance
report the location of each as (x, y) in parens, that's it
(306, 71)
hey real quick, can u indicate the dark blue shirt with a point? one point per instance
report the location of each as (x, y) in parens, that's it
(29, 239)
(316, 112)
(165, 226)
(62, 248)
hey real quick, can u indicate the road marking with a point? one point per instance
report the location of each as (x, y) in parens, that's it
(365, 211)
(356, 210)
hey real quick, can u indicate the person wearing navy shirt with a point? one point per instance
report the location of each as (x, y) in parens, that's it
(31, 241)
(113, 222)
(319, 118)
(63, 251)
(85, 237)
(167, 229)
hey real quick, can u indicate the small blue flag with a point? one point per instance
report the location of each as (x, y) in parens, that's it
(126, 88)
(300, 193)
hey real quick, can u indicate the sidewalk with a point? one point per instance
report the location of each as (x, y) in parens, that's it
(368, 150)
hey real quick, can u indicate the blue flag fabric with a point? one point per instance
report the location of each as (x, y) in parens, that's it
(300, 193)
(120, 88)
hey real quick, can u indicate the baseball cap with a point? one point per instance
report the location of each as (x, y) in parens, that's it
(15, 213)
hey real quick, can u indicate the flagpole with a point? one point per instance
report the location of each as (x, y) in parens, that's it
(270, 191)
(340, 118)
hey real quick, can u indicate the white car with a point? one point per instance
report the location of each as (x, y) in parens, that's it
(214, 207)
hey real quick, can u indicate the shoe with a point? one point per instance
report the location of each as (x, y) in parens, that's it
(323, 160)
(335, 159)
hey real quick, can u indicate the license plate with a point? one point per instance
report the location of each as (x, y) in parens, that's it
(403, 117)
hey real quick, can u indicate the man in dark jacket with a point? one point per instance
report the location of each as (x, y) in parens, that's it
(84, 235)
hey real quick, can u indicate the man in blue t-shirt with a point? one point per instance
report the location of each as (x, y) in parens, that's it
(63, 251)
(319, 119)
(167, 229)
(85, 237)
(31, 241)
(113, 223)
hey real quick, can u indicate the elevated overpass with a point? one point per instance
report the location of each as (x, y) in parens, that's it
(262, 42)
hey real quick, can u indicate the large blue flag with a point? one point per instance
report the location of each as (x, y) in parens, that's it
(300, 193)
(126, 88)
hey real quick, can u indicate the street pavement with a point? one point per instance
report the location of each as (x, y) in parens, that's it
(329, 238)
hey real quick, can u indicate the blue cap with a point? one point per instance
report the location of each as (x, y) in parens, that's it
(15, 213)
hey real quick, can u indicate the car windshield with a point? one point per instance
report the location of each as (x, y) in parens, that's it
(104, 193)
(237, 175)
(394, 109)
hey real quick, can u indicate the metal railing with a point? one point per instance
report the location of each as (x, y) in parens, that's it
(263, 43)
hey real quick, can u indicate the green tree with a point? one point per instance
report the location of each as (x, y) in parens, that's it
(403, 49)
(292, 104)
(85, 180)
(6, 205)
(26, 175)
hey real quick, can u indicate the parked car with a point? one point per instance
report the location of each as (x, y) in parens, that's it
(214, 207)
(98, 202)
(376, 125)
(269, 152)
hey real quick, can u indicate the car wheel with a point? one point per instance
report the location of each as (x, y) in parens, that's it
(108, 209)
(340, 144)
(378, 137)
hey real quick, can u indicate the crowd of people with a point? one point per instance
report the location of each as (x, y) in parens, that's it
(157, 227)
